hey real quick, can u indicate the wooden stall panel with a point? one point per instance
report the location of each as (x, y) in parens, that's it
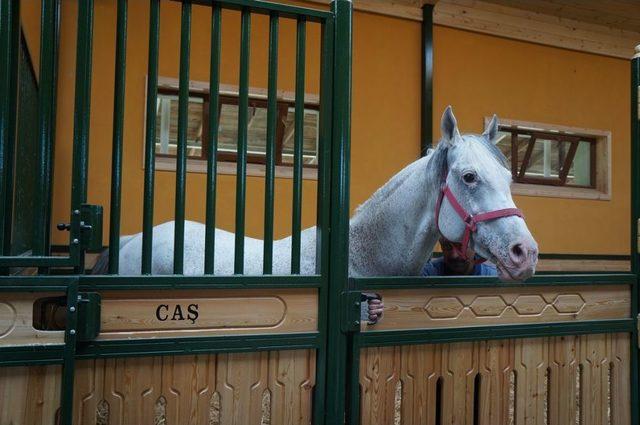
(537, 381)
(457, 307)
(16, 321)
(156, 314)
(29, 395)
(225, 389)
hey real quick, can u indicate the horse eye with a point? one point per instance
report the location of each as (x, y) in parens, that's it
(469, 178)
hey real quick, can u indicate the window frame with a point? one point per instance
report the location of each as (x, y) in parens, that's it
(519, 175)
(232, 99)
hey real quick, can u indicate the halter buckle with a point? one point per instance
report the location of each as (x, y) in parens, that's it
(470, 222)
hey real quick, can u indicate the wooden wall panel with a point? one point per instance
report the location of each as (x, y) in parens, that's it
(457, 307)
(145, 314)
(29, 395)
(16, 321)
(547, 381)
(226, 389)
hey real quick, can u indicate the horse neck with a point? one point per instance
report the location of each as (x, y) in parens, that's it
(394, 232)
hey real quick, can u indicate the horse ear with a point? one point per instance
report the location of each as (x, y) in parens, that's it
(491, 130)
(449, 126)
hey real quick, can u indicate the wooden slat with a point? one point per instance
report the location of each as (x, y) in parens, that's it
(438, 308)
(557, 380)
(29, 395)
(16, 321)
(145, 314)
(224, 389)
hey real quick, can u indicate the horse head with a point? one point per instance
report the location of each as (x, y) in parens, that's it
(478, 181)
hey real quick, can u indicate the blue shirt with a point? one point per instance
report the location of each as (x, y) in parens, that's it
(436, 268)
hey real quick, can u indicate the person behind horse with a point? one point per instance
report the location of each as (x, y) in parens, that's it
(452, 263)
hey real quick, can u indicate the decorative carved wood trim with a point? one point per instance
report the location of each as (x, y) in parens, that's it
(559, 380)
(461, 307)
(144, 314)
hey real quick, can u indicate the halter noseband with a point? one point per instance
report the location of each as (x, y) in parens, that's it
(470, 221)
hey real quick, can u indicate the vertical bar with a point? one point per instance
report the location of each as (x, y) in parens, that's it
(635, 215)
(426, 129)
(241, 171)
(337, 341)
(68, 366)
(183, 115)
(296, 227)
(324, 210)
(272, 116)
(82, 116)
(118, 129)
(150, 140)
(212, 152)
(9, 51)
(46, 122)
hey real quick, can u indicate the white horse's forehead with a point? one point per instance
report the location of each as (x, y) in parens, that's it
(475, 156)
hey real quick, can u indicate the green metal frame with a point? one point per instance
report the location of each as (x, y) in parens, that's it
(337, 341)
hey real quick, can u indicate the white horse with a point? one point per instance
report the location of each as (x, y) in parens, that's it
(392, 233)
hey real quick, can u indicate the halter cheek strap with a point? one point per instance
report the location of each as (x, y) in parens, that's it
(470, 221)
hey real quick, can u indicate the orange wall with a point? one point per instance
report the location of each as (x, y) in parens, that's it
(477, 74)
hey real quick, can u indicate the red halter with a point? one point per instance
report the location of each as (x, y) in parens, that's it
(470, 221)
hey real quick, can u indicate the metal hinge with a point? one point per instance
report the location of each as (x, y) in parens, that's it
(350, 311)
(90, 227)
(88, 316)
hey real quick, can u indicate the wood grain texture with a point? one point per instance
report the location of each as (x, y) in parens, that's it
(557, 380)
(461, 307)
(145, 314)
(16, 321)
(29, 395)
(226, 389)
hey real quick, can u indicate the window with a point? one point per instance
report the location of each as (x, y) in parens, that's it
(549, 158)
(197, 132)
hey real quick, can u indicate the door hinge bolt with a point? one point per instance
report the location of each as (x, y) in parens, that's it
(75, 241)
(356, 303)
(356, 322)
(76, 212)
(79, 297)
(72, 331)
(72, 309)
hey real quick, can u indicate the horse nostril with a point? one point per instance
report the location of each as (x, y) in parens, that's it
(517, 253)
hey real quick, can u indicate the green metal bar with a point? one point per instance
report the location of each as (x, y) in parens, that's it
(31, 356)
(296, 226)
(490, 282)
(336, 370)
(476, 333)
(68, 367)
(118, 136)
(272, 124)
(37, 261)
(82, 114)
(195, 345)
(635, 216)
(95, 282)
(212, 153)
(46, 120)
(426, 129)
(265, 8)
(324, 210)
(241, 171)
(183, 115)
(9, 58)
(150, 140)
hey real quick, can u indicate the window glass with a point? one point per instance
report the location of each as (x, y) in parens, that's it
(167, 125)
(310, 137)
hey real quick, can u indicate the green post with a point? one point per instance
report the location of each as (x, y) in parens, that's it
(212, 153)
(181, 161)
(635, 216)
(337, 341)
(296, 226)
(68, 366)
(426, 130)
(9, 51)
(82, 114)
(118, 135)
